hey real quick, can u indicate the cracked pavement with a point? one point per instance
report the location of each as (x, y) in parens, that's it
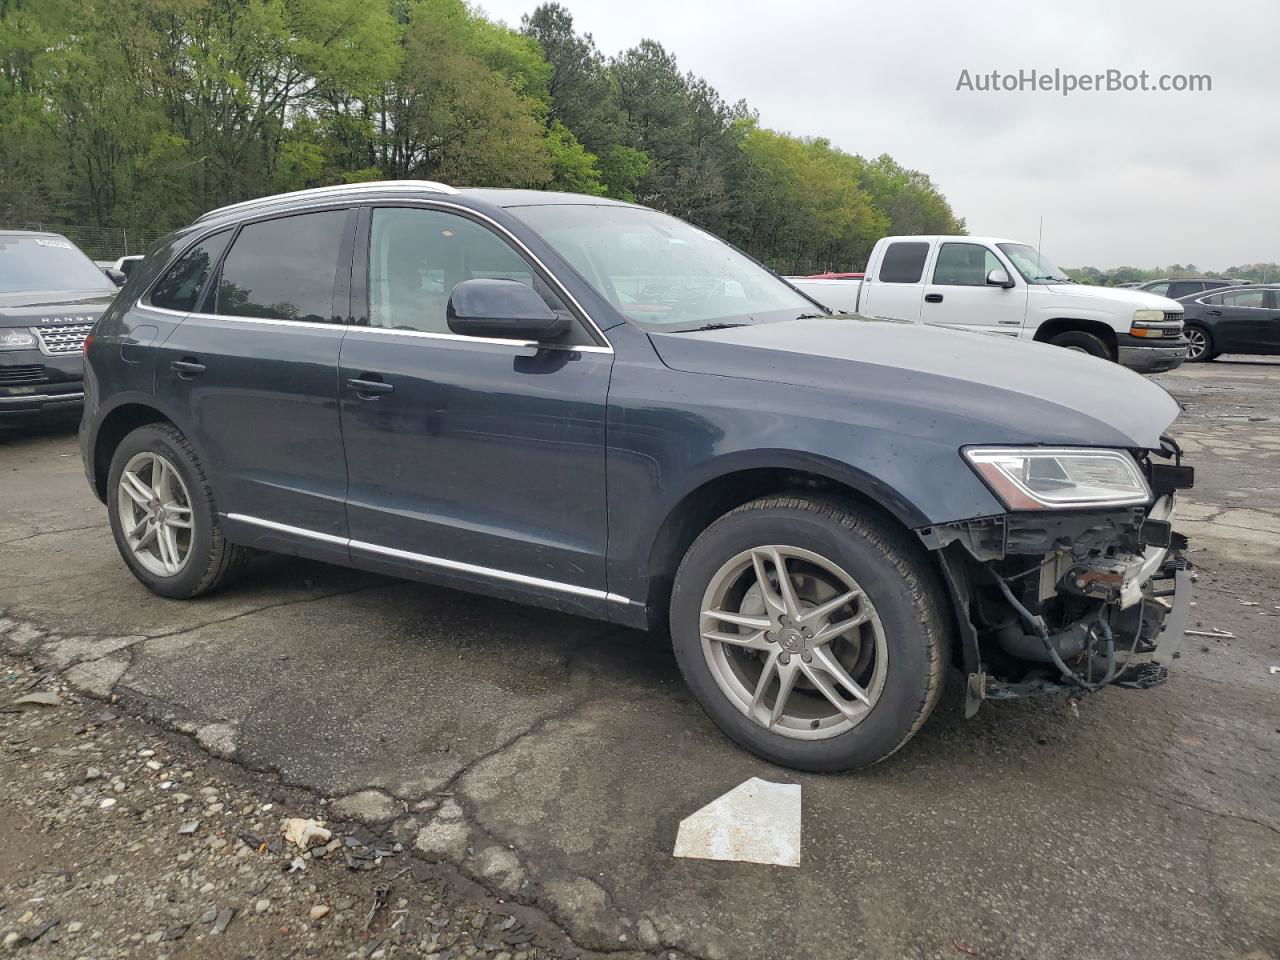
(550, 758)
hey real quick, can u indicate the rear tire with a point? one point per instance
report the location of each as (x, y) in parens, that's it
(1199, 344)
(163, 516)
(1083, 342)
(894, 653)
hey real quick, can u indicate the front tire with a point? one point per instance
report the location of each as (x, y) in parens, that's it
(1199, 344)
(811, 632)
(163, 516)
(1083, 342)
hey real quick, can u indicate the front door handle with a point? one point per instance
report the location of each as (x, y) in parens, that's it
(933, 298)
(187, 367)
(367, 388)
(1214, 313)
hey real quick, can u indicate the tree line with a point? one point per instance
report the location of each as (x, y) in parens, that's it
(1253, 272)
(142, 114)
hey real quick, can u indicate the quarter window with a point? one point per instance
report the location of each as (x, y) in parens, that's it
(964, 265)
(417, 257)
(903, 262)
(179, 289)
(283, 269)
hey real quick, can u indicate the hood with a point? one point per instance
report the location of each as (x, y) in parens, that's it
(1008, 390)
(34, 309)
(1140, 299)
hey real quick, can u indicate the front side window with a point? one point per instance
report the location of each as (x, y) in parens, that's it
(1034, 266)
(417, 257)
(46, 263)
(1184, 288)
(283, 269)
(964, 265)
(903, 262)
(180, 287)
(660, 272)
(1159, 289)
(1245, 298)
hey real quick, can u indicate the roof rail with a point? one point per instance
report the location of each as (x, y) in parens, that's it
(321, 192)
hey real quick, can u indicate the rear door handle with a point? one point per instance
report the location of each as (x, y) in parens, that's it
(933, 298)
(187, 367)
(367, 388)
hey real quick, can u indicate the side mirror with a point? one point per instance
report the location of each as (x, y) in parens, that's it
(115, 276)
(999, 277)
(502, 308)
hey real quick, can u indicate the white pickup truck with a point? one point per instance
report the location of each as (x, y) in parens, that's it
(996, 286)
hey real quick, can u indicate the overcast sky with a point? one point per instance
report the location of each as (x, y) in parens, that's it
(1145, 179)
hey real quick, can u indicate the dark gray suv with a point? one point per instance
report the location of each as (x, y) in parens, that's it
(595, 407)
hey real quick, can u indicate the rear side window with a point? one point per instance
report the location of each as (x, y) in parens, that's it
(964, 265)
(283, 269)
(180, 287)
(1245, 298)
(1184, 288)
(904, 262)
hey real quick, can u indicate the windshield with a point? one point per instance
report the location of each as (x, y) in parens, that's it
(46, 263)
(1034, 266)
(661, 272)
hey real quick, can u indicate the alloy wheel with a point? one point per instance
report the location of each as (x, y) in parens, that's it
(1196, 344)
(793, 641)
(155, 514)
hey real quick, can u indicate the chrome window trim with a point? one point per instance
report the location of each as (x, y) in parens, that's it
(425, 560)
(336, 202)
(272, 321)
(429, 335)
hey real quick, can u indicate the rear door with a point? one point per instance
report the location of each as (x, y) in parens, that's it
(1243, 322)
(958, 293)
(252, 375)
(470, 458)
(897, 289)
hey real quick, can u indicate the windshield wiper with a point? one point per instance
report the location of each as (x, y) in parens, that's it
(713, 326)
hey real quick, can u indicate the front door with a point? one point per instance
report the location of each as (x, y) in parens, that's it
(958, 293)
(469, 459)
(253, 376)
(1248, 322)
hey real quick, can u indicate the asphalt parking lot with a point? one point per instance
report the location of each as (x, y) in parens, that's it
(551, 758)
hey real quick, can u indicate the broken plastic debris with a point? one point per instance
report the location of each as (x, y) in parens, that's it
(755, 822)
(41, 698)
(1215, 632)
(305, 833)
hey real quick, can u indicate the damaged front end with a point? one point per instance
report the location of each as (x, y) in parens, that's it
(1060, 596)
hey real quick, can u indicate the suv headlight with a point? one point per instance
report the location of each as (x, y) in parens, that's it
(1055, 478)
(16, 340)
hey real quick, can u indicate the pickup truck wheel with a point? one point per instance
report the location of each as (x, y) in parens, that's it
(811, 632)
(1199, 344)
(1084, 343)
(163, 517)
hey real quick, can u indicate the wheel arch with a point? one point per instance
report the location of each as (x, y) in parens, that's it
(1059, 325)
(115, 425)
(739, 480)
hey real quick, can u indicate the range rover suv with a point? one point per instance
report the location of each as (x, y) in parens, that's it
(50, 296)
(595, 407)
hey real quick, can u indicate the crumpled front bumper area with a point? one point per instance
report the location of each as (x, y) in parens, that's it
(1068, 601)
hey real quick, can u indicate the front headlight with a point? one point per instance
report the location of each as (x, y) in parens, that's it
(1055, 478)
(1141, 317)
(16, 340)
